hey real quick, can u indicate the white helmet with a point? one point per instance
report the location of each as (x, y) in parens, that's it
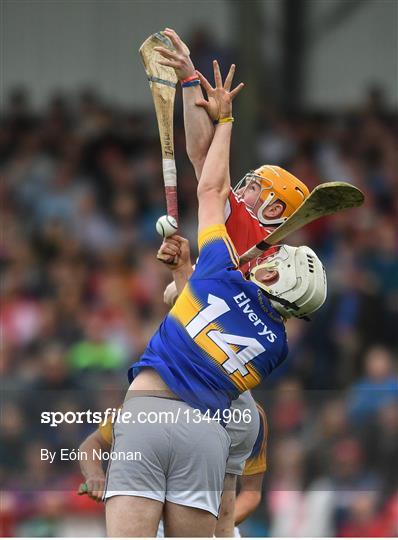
(301, 285)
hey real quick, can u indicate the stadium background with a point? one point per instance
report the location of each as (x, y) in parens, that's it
(82, 291)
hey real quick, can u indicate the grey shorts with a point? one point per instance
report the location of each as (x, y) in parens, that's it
(168, 452)
(243, 430)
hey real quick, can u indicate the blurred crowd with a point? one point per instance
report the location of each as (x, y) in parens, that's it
(82, 292)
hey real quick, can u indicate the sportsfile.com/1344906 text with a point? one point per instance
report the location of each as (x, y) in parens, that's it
(56, 418)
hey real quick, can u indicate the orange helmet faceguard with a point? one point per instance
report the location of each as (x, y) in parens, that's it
(276, 184)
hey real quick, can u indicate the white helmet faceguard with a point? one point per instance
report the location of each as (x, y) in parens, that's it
(301, 285)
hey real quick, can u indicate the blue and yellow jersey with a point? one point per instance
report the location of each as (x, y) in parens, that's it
(222, 336)
(257, 461)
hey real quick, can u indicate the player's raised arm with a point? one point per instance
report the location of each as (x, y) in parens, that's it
(214, 184)
(199, 129)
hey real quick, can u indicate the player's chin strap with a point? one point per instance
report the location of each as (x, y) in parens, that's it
(284, 303)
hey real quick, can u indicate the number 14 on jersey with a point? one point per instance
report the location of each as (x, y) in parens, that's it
(240, 350)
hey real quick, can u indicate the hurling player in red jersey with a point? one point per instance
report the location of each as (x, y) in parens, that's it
(265, 197)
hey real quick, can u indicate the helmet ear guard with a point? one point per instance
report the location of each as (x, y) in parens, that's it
(260, 212)
(301, 286)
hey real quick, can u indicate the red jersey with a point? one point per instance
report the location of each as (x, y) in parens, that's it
(242, 225)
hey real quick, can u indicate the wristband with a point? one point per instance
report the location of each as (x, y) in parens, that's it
(195, 82)
(189, 79)
(224, 120)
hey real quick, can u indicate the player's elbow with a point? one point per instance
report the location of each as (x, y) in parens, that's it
(94, 441)
(197, 158)
(246, 504)
(210, 192)
(170, 294)
(87, 446)
(253, 499)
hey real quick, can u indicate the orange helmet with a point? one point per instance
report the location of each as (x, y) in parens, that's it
(276, 184)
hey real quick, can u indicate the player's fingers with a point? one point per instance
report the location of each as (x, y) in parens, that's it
(167, 246)
(166, 259)
(170, 251)
(165, 52)
(172, 240)
(170, 264)
(229, 78)
(178, 238)
(82, 489)
(182, 243)
(166, 256)
(175, 39)
(171, 31)
(236, 90)
(204, 82)
(201, 103)
(204, 104)
(97, 495)
(217, 74)
(169, 63)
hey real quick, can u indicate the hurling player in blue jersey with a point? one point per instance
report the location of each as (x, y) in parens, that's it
(223, 336)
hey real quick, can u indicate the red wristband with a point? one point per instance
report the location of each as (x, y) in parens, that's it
(189, 79)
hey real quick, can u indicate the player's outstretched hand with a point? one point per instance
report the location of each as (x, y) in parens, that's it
(219, 99)
(93, 487)
(178, 59)
(175, 252)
